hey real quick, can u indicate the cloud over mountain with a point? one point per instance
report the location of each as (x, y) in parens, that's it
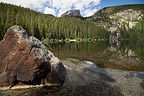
(58, 7)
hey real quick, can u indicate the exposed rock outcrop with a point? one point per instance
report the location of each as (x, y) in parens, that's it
(118, 18)
(25, 60)
(103, 11)
(71, 13)
(130, 14)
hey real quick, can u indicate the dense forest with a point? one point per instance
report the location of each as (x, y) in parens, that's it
(45, 26)
(48, 27)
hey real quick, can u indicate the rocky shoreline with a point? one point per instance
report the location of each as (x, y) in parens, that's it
(122, 83)
(86, 79)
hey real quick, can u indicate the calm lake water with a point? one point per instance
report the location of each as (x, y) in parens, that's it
(124, 55)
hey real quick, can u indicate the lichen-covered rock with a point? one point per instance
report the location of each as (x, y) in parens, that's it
(25, 60)
(72, 13)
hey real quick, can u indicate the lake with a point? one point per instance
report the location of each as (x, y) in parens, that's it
(123, 55)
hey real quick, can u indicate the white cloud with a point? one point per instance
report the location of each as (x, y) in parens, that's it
(65, 5)
(89, 12)
(26, 3)
(62, 11)
(49, 11)
(58, 6)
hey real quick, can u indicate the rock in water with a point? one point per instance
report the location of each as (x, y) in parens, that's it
(72, 13)
(25, 60)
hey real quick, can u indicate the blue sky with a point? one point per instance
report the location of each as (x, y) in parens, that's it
(106, 3)
(58, 7)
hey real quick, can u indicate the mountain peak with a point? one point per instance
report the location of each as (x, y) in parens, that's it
(71, 13)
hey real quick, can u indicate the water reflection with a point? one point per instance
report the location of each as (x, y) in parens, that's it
(124, 55)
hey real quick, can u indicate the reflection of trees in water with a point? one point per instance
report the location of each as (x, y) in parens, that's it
(114, 54)
(127, 55)
(81, 48)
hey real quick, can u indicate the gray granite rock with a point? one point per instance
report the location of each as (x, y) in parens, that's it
(71, 13)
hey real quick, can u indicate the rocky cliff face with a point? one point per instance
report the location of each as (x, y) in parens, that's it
(103, 12)
(117, 18)
(24, 60)
(71, 13)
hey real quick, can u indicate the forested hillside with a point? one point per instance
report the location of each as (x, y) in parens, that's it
(127, 21)
(45, 26)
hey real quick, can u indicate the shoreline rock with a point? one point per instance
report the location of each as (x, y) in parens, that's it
(90, 79)
(24, 60)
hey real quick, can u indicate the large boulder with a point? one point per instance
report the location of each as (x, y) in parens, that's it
(71, 13)
(24, 60)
